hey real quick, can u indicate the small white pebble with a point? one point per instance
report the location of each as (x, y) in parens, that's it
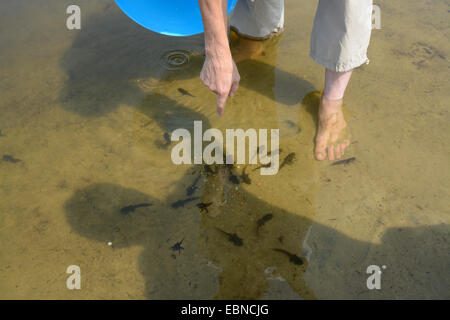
(110, 243)
(270, 270)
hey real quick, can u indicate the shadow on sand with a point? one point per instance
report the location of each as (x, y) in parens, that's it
(212, 266)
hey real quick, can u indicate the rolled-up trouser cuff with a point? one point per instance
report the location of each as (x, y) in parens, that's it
(348, 65)
(341, 33)
(340, 36)
(258, 19)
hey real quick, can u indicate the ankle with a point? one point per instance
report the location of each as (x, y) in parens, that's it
(330, 104)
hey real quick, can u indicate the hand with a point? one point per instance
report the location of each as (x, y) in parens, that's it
(221, 76)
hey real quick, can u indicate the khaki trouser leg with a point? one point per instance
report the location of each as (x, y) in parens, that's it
(340, 36)
(258, 19)
(341, 33)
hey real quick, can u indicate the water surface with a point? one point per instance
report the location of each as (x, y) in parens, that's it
(86, 112)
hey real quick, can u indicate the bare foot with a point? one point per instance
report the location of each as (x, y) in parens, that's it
(333, 136)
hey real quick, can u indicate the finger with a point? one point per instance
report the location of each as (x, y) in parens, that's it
(234, 88)
(221, 101)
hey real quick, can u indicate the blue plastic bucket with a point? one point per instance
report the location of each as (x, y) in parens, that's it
(169, 17)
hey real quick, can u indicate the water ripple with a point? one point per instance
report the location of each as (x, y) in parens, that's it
(175, 59)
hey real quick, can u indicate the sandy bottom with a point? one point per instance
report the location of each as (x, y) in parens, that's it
(86, 113)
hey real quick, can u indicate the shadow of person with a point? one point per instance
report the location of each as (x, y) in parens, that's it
(95, 212)
(108, 59)
(210, 265)
(417, 262)
(413, 263)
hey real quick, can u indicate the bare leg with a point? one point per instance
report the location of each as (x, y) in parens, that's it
(335, 84)
(332, 135)
(243, 48)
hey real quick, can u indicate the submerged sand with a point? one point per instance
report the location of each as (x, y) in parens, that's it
(86, 111)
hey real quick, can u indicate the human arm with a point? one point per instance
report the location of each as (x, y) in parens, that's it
(219, 72)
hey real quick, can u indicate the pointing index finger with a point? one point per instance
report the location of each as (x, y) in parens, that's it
(221, 101)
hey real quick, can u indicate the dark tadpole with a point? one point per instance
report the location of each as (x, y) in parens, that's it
(234, 179)
(166, 137)
(263, 221)
(269, 153)
(245, 177)
(233, 237)
(292, 257)
(344, 162)
(229, 166)
(166, 143)
(9, 158)
(288, 160)
(131, 208)
(203, 206)
(181, 203)
(292, 124)
(185, 92)
(263, 166)
(177, 246)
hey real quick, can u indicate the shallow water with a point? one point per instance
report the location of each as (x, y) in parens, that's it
(86, 112)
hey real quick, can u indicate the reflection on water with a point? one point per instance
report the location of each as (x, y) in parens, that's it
(88, 114)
